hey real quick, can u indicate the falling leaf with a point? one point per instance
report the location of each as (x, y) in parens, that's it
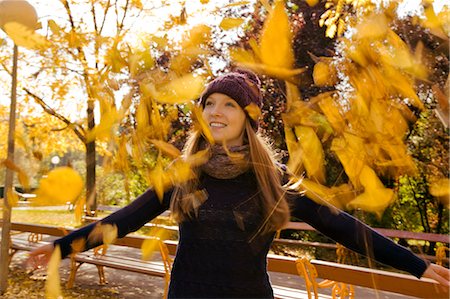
(276, 39)
(105, 232)
(253, 111)
(312, 2)
(441, 190)
(167, 148)
(201, 124)
(181, 90)
(52, 283)
(109, 233)
(21, 174)
(79, 209)
(324, 74)
(373, 27)
(13, 198)
(295, 164)
(78, 245)
(238, 3)
(375, 198)
(25, 37)
(60, 186)
(230, 23)
(313, 155)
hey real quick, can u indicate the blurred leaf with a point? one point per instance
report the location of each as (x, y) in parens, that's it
(230, 23)
(276, 39)
(167, 148)
(25, 37)
(78, 245)
(253, 111)
(52, 283)
(200, 124)
(61, 185)
(312, 153)
(180, 90)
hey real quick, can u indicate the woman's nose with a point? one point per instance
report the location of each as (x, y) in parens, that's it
(216, 110)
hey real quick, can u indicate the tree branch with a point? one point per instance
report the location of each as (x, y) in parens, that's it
(77, 129)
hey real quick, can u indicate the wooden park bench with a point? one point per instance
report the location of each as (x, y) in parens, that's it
(376, 279)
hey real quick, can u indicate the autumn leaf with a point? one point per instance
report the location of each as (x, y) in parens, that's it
(109, 233)
(24, 36)
(52, 283)
(103, 231)
(59, 186)
(312, 153)
(230, 23)
(253, 111)
(200, 124)
(441, 190)
(276, 39)
(167, 148)
(13, 198)
(78, 245)
(180, 90)
(374, 27)
(375, 198)
(79, 209)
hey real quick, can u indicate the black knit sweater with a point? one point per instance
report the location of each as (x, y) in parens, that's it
(218, 253)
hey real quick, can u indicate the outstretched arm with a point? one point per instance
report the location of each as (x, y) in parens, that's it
(355, 235)
(128, 219)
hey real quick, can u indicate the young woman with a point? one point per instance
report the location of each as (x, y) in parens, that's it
(229, 214)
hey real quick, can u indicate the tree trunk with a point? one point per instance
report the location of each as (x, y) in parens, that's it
(7, 191)
(91, 198)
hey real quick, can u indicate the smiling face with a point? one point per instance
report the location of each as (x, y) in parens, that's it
(225, 118)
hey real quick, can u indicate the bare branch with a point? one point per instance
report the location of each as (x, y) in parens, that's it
(78, 130)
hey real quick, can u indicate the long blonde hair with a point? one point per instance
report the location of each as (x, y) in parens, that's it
(187, 198)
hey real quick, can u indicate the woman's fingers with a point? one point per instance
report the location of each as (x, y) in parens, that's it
(438, 273)
(40, 256)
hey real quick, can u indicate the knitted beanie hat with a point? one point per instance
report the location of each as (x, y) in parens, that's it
(241, 85)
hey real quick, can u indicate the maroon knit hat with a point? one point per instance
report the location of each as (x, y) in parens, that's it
(241, 85)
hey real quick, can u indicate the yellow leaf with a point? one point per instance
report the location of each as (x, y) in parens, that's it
(201, 124)
(238, 3)
(277, 72)
(324, 74)
(199, 158)
(167, 148)
(109, 233)
(276, 39)
(292, 95)
(312, 2)
(157, 179)
(13, 198)
(294, 164)
(376, 198)
(313, 155)
(22, 176)
(25, 37)
(78, 245)
(181, 90)
(61, 185)
(253, 111)
(242, 55)
(373, 27)
(330, 108)
(79, 209)
(230, 23)
(52, 283)
(441, 190)
(351, 152)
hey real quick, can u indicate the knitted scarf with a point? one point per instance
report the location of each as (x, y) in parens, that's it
(227, 163)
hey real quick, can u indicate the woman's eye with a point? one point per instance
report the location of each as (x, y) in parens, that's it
(231, 104)
(208, 103)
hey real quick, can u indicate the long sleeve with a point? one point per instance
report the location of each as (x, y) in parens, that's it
(128, 219)
(355, 235)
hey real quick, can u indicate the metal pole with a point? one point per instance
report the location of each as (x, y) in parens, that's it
(6, 223)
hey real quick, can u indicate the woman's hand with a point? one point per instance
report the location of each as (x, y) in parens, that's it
(40, 256)
(438, 273)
